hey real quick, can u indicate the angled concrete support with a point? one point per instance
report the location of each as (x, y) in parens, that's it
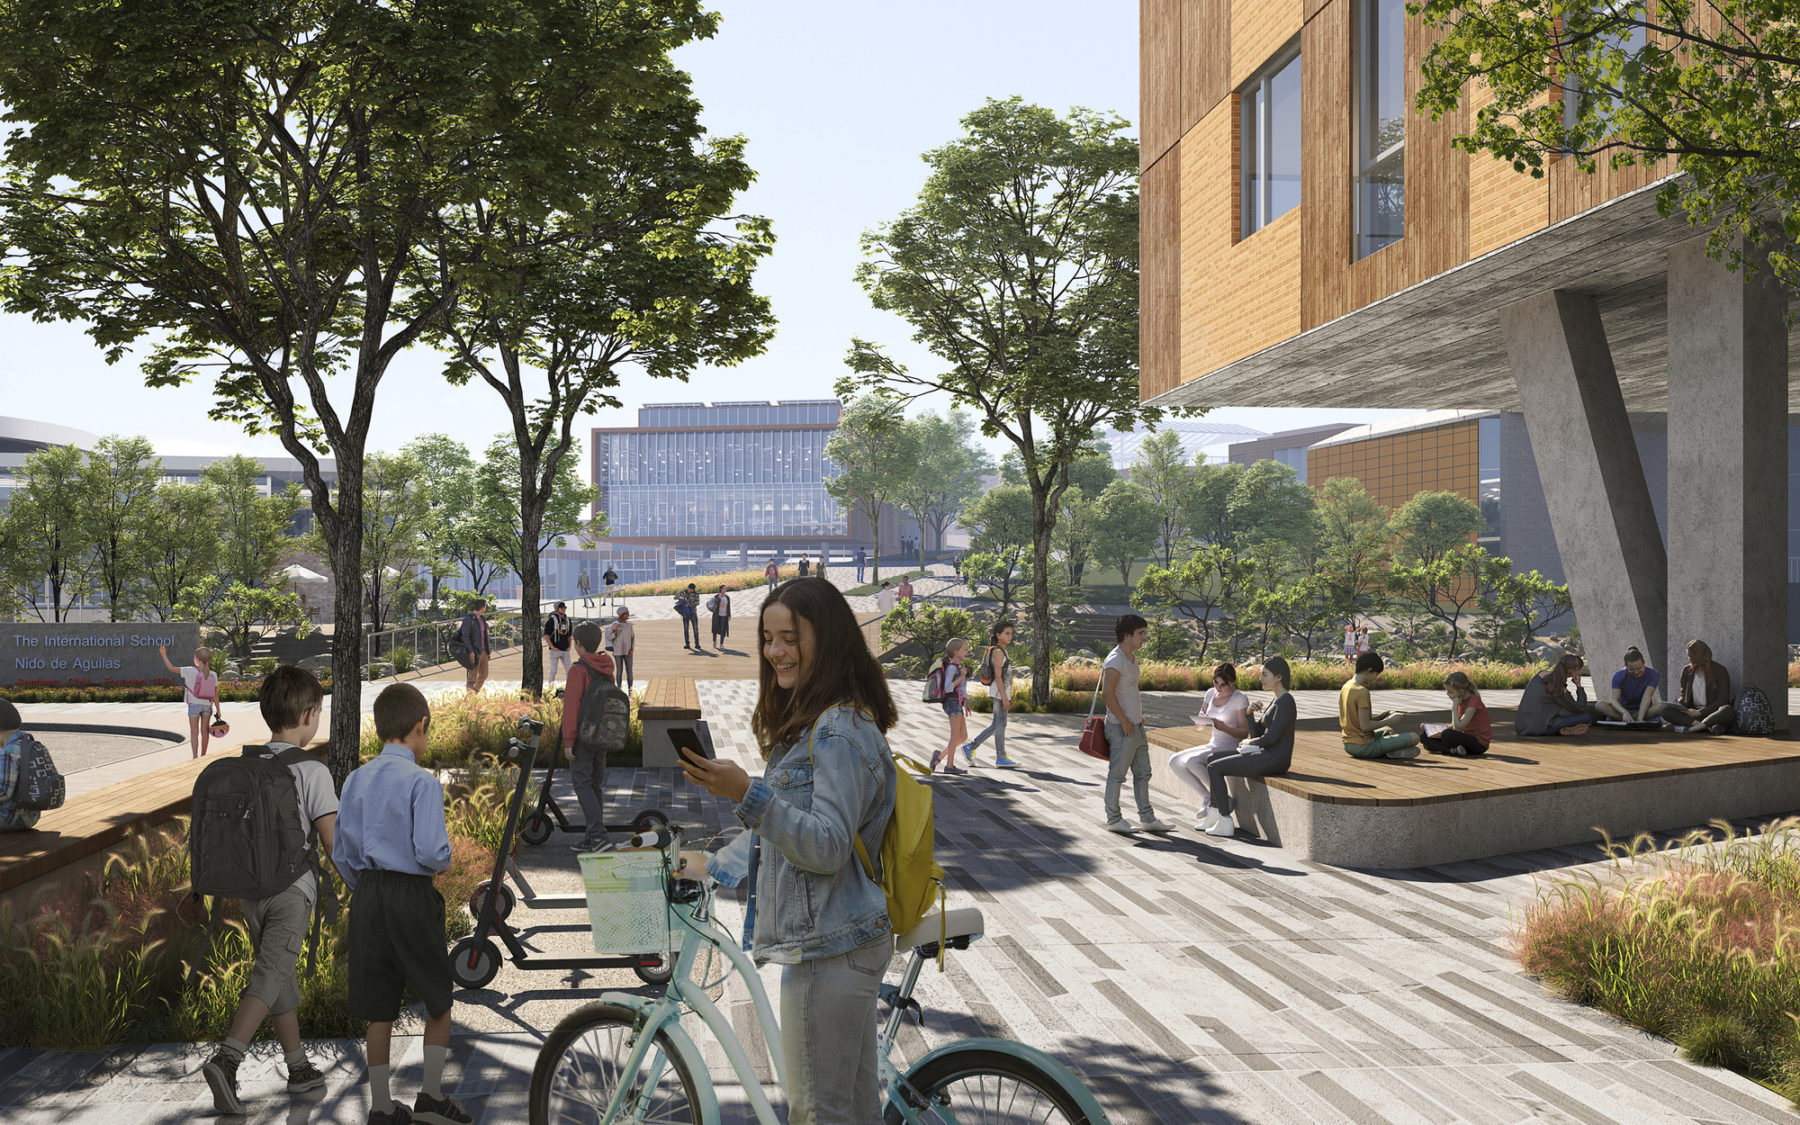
(1728, 470)
(1600, 509)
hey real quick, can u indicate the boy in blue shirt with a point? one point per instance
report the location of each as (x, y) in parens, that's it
(391, 840)
(12, 818)
(1633, 690)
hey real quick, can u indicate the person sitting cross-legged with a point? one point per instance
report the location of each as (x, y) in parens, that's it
(1356, 717)
(1634, 690)
(1470, 732)
(1704, 705)
(1548, 707)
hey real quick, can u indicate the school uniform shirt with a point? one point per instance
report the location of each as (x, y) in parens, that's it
(391, 818)
(318, 797)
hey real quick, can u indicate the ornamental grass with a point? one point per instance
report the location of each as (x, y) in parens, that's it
(1698, 943)
(706, 583)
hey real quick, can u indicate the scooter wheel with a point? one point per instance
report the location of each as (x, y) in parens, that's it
(659, 973)
(536, 830)
(503, 906)
(474, 963)
(648, 819)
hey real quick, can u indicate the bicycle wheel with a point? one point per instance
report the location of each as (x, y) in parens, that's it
(982, 1087)
(579, 1069)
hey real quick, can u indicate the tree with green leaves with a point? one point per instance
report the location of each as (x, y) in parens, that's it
(1451, 586)
(945, 477)
(1353, 548)
(877, 455)
(1128, 524)
(448, 485)
(645, 268)
(1207, 589)
(119, 480)
(1268, 504)
(247, 614)
(251, 187)
(181, 545)
(1000, 529)
(48, 558)
(1167, 475)
(1706, 82)
(1206, 503)
(255, 531)
(1018, 272)
(396, 514)
(1432, 524)
(1519, 608)
(1074, 538)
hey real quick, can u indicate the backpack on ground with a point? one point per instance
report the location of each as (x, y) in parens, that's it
(247, 839)
(604, 721)
(934, 682)
(1754, 715)
(40, 786)
(910, 875)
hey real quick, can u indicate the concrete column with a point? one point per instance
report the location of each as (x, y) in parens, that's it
(743, 554)
(1728, 470)
(1587, 459)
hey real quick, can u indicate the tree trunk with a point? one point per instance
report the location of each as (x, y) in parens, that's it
(875, 524)
(346, 641)
(1041, 526)
(531, 585)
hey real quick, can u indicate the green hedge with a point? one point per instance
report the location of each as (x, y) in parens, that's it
(126, 691)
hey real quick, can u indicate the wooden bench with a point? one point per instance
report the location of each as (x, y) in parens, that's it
(72, 842)
(1524, 794)
(668, 702)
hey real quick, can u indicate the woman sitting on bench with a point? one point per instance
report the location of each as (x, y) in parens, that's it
(1269, 750)
(1470, 732)
(1704, 705)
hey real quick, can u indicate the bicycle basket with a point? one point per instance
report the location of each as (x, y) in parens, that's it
(628, 903)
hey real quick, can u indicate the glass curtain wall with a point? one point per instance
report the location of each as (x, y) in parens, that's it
(722, 484)
(1380, 124)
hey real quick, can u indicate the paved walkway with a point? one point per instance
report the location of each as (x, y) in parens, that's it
(1191, 980)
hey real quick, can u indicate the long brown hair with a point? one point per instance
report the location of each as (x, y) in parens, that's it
(1699, 654)
(842, 669)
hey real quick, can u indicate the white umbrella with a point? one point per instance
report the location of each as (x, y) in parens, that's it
(300, 574)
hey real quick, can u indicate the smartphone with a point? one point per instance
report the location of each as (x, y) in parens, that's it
(687, 738)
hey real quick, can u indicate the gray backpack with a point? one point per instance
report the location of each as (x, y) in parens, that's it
(40, 786)
(604, 721)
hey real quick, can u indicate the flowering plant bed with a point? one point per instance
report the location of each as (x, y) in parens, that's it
(125, 691)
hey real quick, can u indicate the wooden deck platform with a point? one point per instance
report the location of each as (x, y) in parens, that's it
(1524, 793)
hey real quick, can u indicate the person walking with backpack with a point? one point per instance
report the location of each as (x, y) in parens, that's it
(472, 635)
(946, 684)
(687, 605)
(822, 714)
(611, 576)
(200, 691)
(14, 817)
(558, 630)
(391, 841)
(587, 763)
(277, 918)
(996, 672)
(720, 607)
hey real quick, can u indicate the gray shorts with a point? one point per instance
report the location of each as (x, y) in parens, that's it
(202, 708)
(277, 928)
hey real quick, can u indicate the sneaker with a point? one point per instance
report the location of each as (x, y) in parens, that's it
(952, 767)
(1123, 827)
(589, 844)
(1458, 752)
(304, 1076)
(1219, 824)
(968, 754)
(440, 1111)
(1404, 752)
(221, 1074)
(1006, 763)
(399, 1115)
(1155, 824)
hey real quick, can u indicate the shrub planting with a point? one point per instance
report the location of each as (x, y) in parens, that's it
(126, 691)
(706, 583)
(469, 729)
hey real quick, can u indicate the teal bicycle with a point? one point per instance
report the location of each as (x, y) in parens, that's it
(629, 1059)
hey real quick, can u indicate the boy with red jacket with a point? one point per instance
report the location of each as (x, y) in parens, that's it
(587, 769)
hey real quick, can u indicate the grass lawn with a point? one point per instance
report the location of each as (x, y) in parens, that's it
(895, 577)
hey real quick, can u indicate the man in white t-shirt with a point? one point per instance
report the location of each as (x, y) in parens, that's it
(1126, 737)
(885, 598)
(621, 641)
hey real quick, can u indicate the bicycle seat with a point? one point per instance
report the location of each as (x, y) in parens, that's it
(964, 923)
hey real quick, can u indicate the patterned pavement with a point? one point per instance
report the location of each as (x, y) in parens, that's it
(1190, 980)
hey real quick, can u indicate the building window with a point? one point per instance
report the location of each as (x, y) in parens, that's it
(1380, 124)
(1630, 42)
(1271, 135)
(1488, 461)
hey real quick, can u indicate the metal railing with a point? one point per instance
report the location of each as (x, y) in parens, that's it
(427, 642)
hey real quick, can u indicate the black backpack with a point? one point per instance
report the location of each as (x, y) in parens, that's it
(247, 839)
(1754, 715)
(40, 786)
(604, 721)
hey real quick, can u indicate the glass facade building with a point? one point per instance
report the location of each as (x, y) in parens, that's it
(726, 483)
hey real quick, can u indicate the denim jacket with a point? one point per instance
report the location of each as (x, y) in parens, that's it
(815, 899)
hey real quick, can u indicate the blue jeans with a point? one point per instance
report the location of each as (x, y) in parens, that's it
(1129, 752)
(587, 772)
(828, 1032)
(997, 728)
(690, 622)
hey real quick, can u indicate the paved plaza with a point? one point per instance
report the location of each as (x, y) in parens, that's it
(1190, 980)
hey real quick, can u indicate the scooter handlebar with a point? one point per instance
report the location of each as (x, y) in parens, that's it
(662, 837)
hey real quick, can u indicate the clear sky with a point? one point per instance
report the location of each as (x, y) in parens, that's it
(838, 100)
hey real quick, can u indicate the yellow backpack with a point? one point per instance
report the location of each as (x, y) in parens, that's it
(910, 875)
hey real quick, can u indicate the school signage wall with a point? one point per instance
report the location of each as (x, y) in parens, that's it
(96, 654)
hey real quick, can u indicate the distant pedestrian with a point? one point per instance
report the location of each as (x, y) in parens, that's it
(1125, 733)
(687, 605)
(905, 591)
(585, 587)
(609, 578)
(884, 599)
(200, 691)
(805, 566)
(1362, 639)
(473, 633)
(772, 573)
(621, 641)
(720, 605)
(558, 632)
(823, 556)
(956, 565)
(1350, 642)
(862, 561)
(947, 683)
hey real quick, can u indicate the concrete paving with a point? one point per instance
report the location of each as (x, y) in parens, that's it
(1190, 979)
